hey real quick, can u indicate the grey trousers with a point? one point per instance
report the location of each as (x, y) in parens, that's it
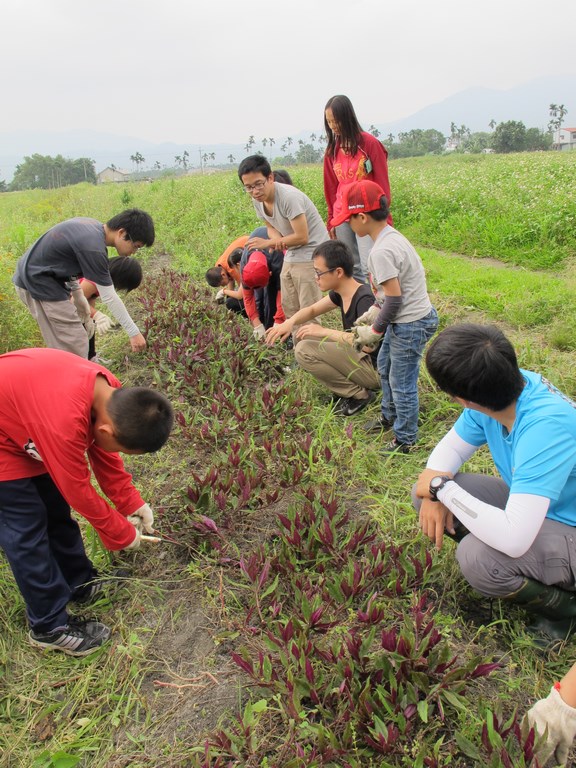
(338, 366)
(550, 560)
(59, 323)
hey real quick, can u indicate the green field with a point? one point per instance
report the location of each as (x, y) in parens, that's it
(299, 620)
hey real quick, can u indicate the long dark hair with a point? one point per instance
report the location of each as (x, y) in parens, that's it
(350, 128)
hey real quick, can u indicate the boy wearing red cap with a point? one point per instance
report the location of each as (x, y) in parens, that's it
(293, 225)
(403, 319)
(260, 274)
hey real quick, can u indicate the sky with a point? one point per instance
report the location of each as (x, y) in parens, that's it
(220, 71)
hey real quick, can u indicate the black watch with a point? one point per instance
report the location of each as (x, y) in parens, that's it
(436, 484)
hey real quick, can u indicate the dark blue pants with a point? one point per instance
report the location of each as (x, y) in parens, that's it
(44, 548)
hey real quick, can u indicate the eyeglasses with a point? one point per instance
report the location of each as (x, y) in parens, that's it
(319, 274)
(255, 187)
(134, 246)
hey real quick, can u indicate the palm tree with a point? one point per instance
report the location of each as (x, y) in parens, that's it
(231, 159)
(212, 156)
(283, 148)
(492, 124)
(247, 147)
(157, 165)
(312, 137)
(289, 140)
(374, 131)
(178, 159)
(185, 157)
(251, 142)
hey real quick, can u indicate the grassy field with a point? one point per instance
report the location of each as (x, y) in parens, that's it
(298, 619)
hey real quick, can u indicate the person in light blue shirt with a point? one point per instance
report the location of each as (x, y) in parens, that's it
(516, 532)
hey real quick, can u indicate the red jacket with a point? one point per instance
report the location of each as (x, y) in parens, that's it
(46, 400)
(378, 155)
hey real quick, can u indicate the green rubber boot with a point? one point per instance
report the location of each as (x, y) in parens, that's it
(555, 609)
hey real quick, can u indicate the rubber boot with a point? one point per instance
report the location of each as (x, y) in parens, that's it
(555, 609)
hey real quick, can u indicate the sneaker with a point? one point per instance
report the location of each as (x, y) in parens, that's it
(378, 425)
(99, 586)
(78, 638)
(395, 447)
(352, 405)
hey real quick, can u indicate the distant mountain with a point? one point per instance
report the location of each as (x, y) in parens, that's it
(473, 107)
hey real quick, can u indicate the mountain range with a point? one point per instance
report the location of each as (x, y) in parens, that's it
(473, 107)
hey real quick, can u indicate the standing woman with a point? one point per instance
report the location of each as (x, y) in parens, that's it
(351, 155)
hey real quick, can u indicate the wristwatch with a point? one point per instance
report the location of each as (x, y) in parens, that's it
(436, 484)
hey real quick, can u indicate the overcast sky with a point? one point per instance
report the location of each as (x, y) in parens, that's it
(186, 71)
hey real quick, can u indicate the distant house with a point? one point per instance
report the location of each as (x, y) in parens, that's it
(565, 138)
(112, 174)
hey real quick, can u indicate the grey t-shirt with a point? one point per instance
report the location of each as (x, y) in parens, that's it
(392, 255)
(73, 248)
(290, 202)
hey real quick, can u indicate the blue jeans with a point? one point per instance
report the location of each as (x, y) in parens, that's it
(399, 366)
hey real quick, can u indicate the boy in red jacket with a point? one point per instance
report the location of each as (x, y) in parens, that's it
(56, 410)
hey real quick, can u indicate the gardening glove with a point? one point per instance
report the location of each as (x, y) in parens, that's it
(369, 317)
(143, 519)
(365, 336)
(89, 327)
(259, 332)
(80, 301)
(220, 297)
(103, 322)
(553, 715)
(136, 543)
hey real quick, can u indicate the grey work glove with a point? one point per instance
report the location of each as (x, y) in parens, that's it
(143, 519)
(103, 322)
(89, 327)
(136, 543)
(366, 336)
(259, 332)
(220, 297)
(553, 716)
(369, 317)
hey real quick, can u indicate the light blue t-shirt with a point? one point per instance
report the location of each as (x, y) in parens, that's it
(539, 455)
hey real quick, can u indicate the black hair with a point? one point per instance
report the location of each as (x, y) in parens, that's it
(214, 276)
(476, 363)
(235, 257)
(138, 225)
(382, 213)
(283, 177)
(350, 129)
(254, 164)
(142, 418)
(126, 273)
(336, 254)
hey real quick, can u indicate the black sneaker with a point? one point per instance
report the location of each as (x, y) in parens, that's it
(99, 587)
(352, 405)
(378, 425)
(395, 447)
(78, 638)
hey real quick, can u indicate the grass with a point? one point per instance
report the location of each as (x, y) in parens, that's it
(150, 699)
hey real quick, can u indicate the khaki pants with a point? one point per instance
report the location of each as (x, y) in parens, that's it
(299, 288)
(338, 366)
(59, 323)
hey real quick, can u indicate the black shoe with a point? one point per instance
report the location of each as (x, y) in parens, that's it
(395, 447)
(352, 405)
(78, 638)
(99, 587)
(377, 425)
(550, 634)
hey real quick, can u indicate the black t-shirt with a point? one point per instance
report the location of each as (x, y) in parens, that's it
(361, 302)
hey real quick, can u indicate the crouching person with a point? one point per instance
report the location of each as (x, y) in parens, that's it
(225, 275)
(260, 273)
(516, 532)
(327, 353)
(61, 417)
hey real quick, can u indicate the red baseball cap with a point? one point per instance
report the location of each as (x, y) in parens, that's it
(359, 197)
(256, 273)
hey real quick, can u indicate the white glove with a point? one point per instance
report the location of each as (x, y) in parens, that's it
(365, 336)
(220, 297)
(136, 543)
(553, 715)
(80, 301)
(89, 327)
(143, 519)
(369, 317)
(259, 332)
(103, 322)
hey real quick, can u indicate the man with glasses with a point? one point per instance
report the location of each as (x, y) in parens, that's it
(293, 225)
(47, 275)
(326, 353)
